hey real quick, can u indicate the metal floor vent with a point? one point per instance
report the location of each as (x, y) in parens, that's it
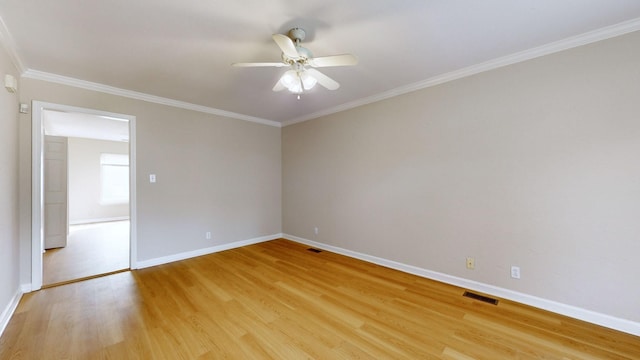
(481, 298)
(314, 250)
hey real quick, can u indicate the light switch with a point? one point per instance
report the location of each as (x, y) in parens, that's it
(152, 178)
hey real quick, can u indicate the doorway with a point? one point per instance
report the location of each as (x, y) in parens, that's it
(83, 205)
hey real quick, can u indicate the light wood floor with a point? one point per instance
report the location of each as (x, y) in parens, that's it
(277, 300)
(92, 249)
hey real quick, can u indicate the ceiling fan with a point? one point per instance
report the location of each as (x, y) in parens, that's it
(302, 74)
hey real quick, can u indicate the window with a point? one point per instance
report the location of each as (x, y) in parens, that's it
(114, 177)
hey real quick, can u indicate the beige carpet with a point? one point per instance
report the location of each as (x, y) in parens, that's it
(92, 249)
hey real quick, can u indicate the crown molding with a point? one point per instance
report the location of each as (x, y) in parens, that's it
(88, 85)
(10, 46)
(554, 47)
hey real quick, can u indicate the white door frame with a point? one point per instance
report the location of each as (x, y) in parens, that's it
(37, 173)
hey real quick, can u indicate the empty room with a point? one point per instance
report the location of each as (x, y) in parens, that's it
(320, 179)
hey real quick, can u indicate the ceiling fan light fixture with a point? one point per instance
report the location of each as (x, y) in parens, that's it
(298, 81)
(308, 81)
(296, 87)
(289, 78)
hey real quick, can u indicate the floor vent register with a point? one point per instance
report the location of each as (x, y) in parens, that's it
(480, 298)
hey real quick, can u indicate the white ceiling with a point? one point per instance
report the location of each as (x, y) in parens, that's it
(79, 125)
(182, 49)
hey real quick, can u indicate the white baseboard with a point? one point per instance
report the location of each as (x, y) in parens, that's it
(593, 317)
(210, 250)
(7, 313)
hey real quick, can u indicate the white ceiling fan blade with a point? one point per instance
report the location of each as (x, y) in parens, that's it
(334, 60)
(323, 79)
(260, 64)
(286, 45)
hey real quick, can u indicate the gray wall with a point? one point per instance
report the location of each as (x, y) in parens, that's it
(214, 173)
(535, 164)
(9, 265)
(84, 180)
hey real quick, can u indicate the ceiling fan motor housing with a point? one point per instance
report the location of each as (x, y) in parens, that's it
(297, 34)
(304, 52)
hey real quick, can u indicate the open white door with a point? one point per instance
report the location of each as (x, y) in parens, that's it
(55, 192)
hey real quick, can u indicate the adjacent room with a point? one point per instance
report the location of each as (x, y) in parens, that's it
(320, 180)
(86, 180)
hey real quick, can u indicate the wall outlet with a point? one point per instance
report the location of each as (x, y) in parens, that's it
(471, 263)
(315, 230)
(515, 272)
(207, 235)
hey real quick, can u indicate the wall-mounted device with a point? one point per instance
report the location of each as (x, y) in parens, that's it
(10, 83)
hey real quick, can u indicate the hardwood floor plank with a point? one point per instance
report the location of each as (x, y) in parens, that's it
(277, 300)
(92, 250)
